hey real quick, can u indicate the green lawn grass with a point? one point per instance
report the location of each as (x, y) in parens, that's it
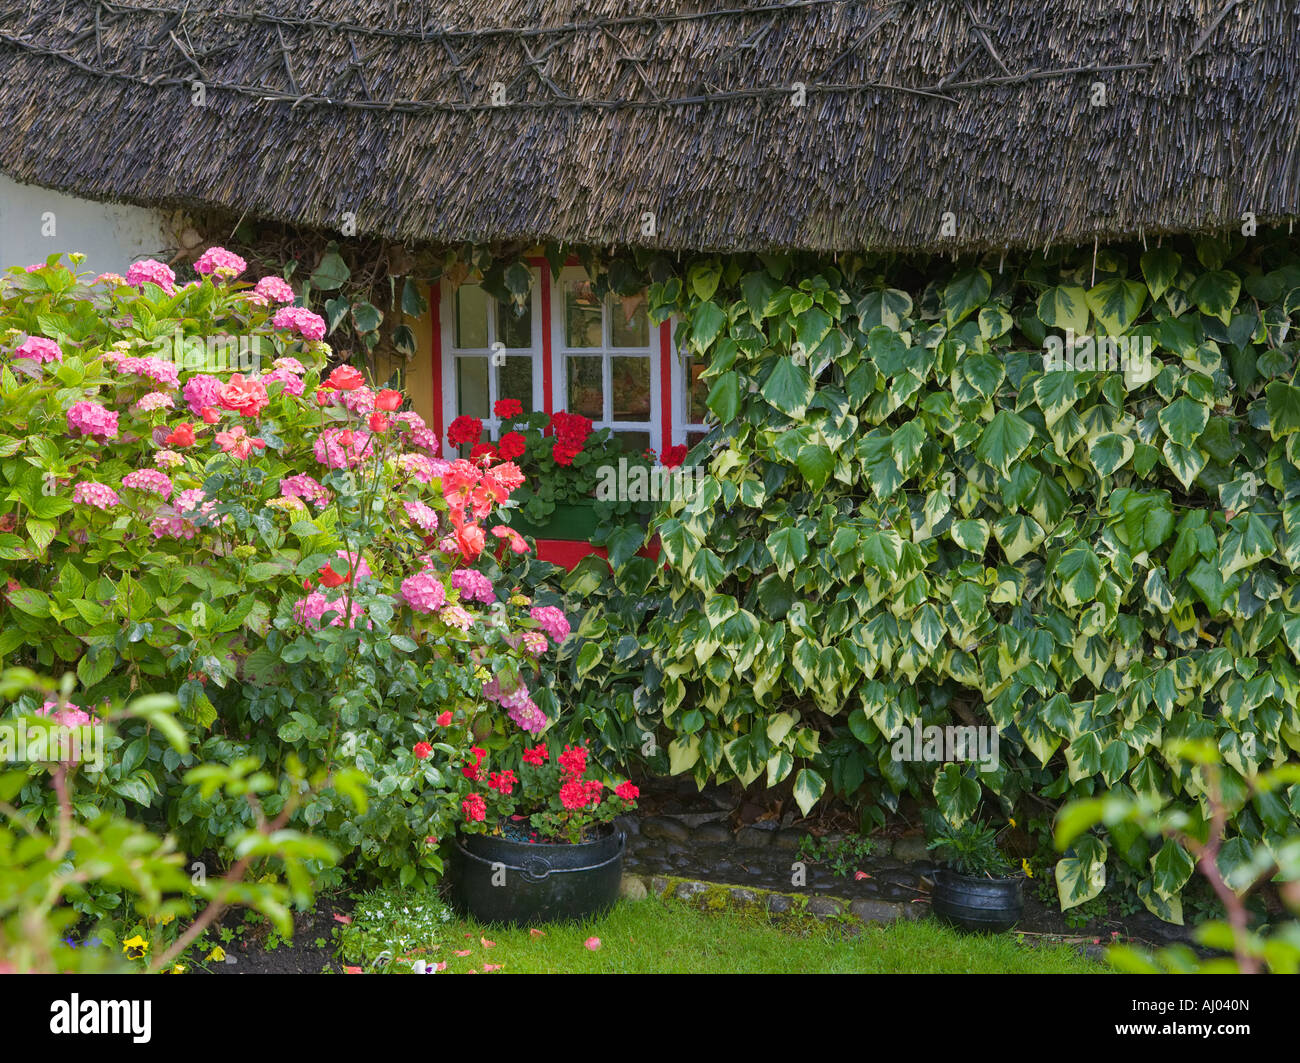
(654, 936)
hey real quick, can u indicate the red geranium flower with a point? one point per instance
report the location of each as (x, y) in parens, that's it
(536, 756)
(507, 408)
(512, 446)
(475, 808)
(483, 450)
(464, 430)
(564, 455)
(627, 791)
(345, 378)
(502, 781)
(674, 456)
(422, 750)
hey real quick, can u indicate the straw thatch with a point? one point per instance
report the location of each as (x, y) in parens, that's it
(384, 108)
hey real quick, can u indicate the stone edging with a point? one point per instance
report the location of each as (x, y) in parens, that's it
(717, 896)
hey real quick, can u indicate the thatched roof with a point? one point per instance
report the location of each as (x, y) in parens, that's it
(384, 108)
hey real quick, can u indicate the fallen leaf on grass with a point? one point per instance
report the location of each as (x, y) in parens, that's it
(534, 932)
(462, 952)
(342, 918)
(592, 943)
(352, 970)
(860, 875)
(487, 944)
(489, 968)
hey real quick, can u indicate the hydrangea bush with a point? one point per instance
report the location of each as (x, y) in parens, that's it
(189, 502)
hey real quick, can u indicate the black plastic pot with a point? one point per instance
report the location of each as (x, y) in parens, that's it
(980, 904)
(497, 880)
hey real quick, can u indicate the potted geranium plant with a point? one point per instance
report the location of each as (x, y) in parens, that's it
(536, 841)
(979, 889)
(564, 460)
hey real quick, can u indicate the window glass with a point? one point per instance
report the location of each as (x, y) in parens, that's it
(471, 317)
(628, 324)
(516, 381)
(582, 315)
(472, 387)
(697, 390)
(634, 442)
(630, 383)
(586, 386)
(515, 330)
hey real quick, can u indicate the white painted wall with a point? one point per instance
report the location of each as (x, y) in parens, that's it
(110, 235)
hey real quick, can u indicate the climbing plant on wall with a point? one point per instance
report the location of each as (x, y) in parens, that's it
(928, 504)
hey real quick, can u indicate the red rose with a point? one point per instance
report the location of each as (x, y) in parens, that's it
(330, 578)
(507, 408)
(182, 437)
(445, 719)
(345, 378)
(378, 422)
(389, 400)
(422, 750)
(324, 396)
(464, 430)
(210, 415)
(245, 397)
(512, 446)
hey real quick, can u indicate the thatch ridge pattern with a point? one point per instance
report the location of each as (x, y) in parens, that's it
(536, 120)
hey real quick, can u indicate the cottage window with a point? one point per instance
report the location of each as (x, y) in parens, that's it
(604, 350)
(495, 353)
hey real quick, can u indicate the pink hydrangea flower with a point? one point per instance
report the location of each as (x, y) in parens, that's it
(220, 263)
(419, 436)
(552, 621)
(169, 526)
(112, 280)
(168, 459)
(528, 716)
(289, 365)
(71, 716)
(420, 468)
(359, 401)
(421, 516)
(300, 320)
(292, 383)
(271, 290)
(149, 480)
(304, 487)
(155, 400)
(156, 369)
(150, 271)
(455, 616)
(39, 349)
(91, 419)
(341, 448)
(200, 392)
(101, 496)
(535, 643)
(188, 501)
(473, 586)
(423, 592)
(312, 608)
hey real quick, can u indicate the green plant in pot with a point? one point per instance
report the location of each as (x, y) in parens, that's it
(979, 888)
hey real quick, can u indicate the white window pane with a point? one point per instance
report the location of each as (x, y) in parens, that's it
(472, 395)
(582, 315)
(585, 386)
(630, 381)
(471, 317)
(628, 324)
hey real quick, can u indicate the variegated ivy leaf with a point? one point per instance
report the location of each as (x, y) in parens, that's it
(1017, 534)
(1055, 392)
(884, 306)
(1007, 436)
(1160, 267)
(1064, 307)
(1078, 575)
(1215, 293)
(808, 789)
(1109, 452)
(1247, 543)
(1283, 405)
(1116, 304)
(1183, 420)
(956, 794)
(1081, 876)
(964, 293)
(972, 535)
(1184, 462)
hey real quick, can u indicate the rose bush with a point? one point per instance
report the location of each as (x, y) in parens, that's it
(189, 502)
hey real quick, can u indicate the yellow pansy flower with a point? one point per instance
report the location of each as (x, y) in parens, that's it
(1024, 866)
(217, 955)
(136, 942)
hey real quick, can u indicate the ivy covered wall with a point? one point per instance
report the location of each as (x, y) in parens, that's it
(912, 518)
